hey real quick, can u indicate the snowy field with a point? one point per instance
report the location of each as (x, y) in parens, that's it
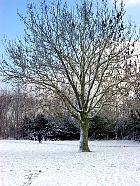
(58, 163)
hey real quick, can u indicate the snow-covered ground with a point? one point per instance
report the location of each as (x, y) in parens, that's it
(58, 163)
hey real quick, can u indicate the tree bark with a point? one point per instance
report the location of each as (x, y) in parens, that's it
(84, 127)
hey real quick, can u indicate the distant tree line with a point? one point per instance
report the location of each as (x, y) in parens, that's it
(23, 115)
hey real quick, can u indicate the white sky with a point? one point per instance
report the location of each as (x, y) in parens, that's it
(130, 3)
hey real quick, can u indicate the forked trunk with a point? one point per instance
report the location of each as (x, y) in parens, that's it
(84, 127)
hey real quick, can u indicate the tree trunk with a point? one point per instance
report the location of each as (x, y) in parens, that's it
(84, 127)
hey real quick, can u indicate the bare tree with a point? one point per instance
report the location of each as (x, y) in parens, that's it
(77, 54)
(5, 100)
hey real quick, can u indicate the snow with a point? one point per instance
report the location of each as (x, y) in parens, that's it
(58, 163)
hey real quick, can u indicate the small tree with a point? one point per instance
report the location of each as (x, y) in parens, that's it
(77, 54)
